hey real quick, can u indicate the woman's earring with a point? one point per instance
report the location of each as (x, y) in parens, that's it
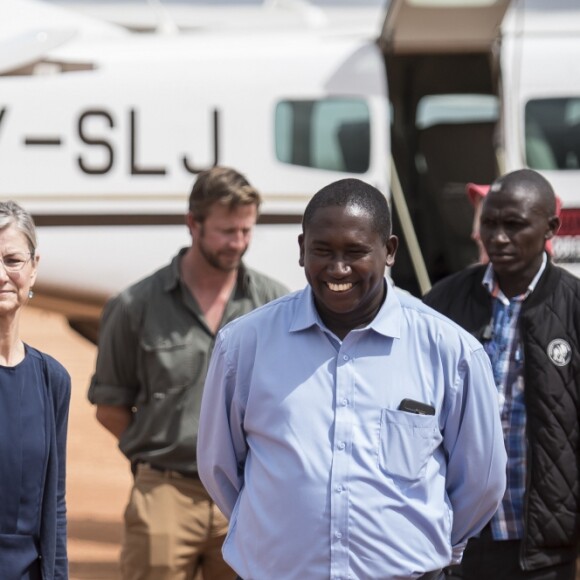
(30, 294)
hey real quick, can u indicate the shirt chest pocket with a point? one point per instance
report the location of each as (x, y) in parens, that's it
(407, 441)
(170, 366)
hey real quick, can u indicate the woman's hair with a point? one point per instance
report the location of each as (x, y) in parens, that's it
(12, 213)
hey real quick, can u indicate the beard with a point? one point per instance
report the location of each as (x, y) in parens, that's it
(223, 260)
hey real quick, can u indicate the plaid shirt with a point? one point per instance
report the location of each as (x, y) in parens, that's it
(504, 347)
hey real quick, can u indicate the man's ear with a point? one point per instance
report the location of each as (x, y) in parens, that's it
(392, 245)
(192, 223)
(301, 244)
(554, 225)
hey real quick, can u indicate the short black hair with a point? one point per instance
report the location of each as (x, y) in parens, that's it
(533, 182)
(352, 192)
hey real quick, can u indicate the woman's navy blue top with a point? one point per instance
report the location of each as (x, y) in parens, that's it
(23, 454)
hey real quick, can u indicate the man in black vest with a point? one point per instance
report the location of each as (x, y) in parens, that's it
(526, 312)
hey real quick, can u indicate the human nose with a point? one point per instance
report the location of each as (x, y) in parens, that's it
(339, 267)
(499, 236)
(236, 238)
(3, 271)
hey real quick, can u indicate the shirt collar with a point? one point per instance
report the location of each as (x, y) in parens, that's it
(387, 321)
(492, 286)
(172, 278)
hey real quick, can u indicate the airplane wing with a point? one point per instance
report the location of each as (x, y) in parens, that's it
(30, 47)
(230, 15)
(17, 16)
(20, 16)
(31, 29)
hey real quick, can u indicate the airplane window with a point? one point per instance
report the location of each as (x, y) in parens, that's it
(332, 134)
(552, 132)
(456, 108)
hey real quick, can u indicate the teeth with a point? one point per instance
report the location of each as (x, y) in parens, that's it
(339, 287)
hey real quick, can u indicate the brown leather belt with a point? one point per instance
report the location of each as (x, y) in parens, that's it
(169, 472)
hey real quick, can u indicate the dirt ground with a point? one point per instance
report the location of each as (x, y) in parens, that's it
(98, 477)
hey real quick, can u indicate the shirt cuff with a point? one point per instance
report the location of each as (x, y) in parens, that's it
(457, 553)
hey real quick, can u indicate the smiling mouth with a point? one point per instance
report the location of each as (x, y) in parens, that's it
(339, 287)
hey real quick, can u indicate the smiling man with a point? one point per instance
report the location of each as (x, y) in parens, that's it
(526, 311)
(347, 430)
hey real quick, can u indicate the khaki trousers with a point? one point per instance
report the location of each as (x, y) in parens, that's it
(173, 530)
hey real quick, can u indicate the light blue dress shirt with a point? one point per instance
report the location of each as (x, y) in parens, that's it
(303, 448)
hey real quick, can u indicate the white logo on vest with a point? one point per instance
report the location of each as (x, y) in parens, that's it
(559, 352)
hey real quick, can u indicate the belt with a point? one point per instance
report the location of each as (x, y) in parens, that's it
(168, 472)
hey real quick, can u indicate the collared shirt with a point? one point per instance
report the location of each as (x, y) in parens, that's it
(301, 443)
(154, 347)
(504, 348)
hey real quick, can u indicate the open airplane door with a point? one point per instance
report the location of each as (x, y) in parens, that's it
(443, 85)
(422, 26)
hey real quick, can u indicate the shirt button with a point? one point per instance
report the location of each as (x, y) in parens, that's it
(339, 488)
(338, 535)
(345, 356)
(341, 445)
(344, 402)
